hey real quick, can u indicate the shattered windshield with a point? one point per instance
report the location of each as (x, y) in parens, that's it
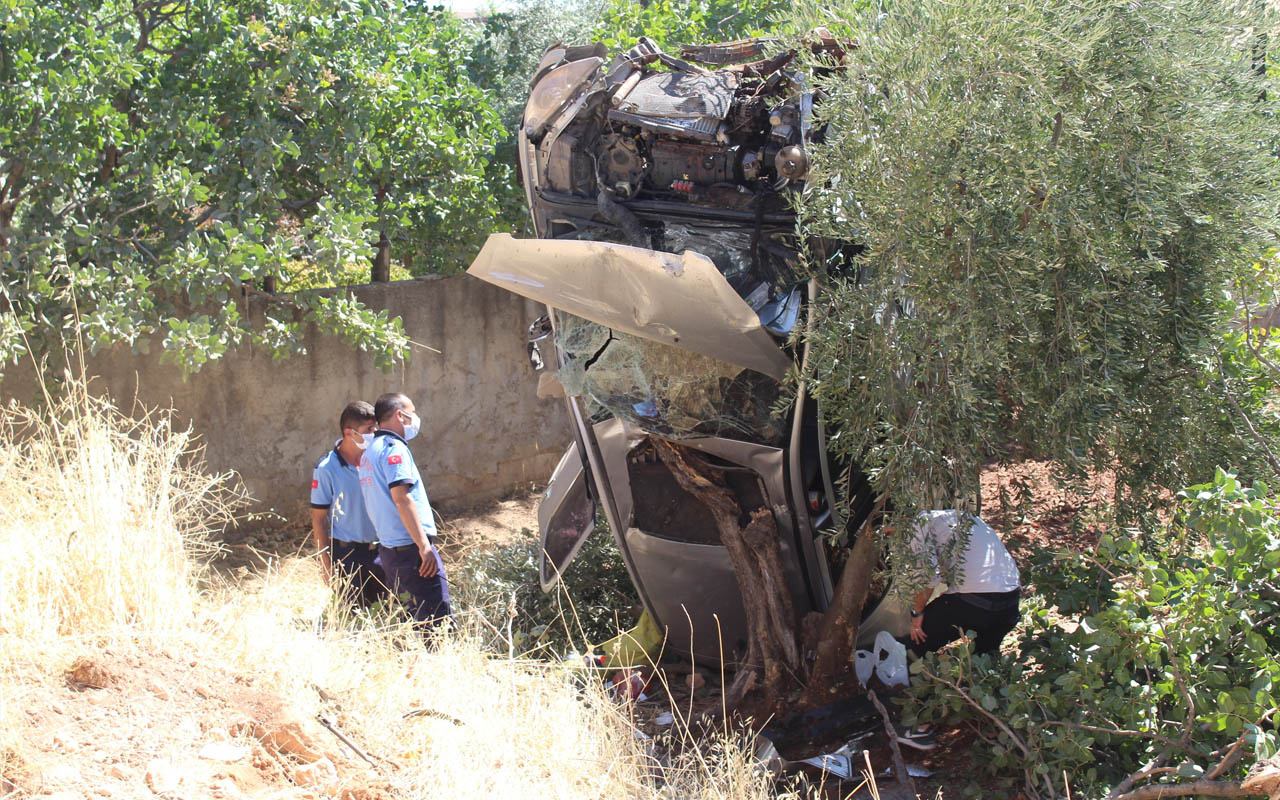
(664, 390)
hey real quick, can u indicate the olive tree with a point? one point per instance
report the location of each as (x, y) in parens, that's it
(1054, 201)
(159, 160)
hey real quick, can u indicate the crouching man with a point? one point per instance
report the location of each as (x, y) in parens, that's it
(982, 583)
(344, 536)
(397, 505)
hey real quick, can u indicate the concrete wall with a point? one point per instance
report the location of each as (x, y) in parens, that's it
(484, 430)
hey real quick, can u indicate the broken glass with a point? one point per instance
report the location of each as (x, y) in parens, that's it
(664, 390)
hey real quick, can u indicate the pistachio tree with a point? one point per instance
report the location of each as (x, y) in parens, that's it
(160, 161)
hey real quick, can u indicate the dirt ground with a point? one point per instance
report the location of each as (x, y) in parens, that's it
(1023, 502)
(125, 725)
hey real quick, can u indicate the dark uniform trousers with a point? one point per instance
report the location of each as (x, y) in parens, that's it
(990, 614)
(428, 597)
(357, 563)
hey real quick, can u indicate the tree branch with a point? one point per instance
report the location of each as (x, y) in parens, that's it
(1257, 437)
(1152, 767)
(1202, 788)
(899, 765)
(999, 723)
(1114, 732)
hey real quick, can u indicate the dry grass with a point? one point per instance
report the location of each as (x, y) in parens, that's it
(103, 527)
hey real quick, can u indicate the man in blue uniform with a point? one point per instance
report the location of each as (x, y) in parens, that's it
(344, 536)
(397, 504)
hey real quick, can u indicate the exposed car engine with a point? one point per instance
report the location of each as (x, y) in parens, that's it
(689, 135)
(705, 138)
(660, 152)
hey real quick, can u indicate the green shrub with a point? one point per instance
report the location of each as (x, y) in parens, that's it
(590, 605)
(1129, 659)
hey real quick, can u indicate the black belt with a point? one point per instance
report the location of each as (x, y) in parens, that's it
(991, 601)
(402, 548)
(357, 545)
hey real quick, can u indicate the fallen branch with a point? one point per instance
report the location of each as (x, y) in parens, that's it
(1013, 737)
(899, 764)
(1155, 737)
(1236, 751)
(1152, 767)
(332, 727)
(1202, 788)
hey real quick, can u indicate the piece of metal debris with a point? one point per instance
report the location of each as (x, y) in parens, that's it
(914, 770)
(839, 764)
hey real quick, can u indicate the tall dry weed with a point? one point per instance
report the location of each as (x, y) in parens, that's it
(102, 521)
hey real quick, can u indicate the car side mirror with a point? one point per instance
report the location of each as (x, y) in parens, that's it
(539, 332)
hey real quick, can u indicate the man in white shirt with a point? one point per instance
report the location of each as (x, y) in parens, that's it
(983, 587)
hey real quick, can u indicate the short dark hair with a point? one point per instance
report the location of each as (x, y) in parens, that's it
(388, 404)
(355, 415)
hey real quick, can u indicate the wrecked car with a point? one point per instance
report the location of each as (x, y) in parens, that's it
(668, 259)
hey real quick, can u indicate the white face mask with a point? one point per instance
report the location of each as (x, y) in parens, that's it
(411, 427)
(365, 438)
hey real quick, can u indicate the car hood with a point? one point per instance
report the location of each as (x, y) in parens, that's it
(677, 300)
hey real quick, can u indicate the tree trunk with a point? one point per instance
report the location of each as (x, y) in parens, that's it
(772, 663)
(840, 623)
(382, 260)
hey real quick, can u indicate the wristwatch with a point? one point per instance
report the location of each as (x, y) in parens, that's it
(915, 614)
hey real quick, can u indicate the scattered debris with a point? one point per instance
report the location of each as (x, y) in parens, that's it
(838, 763)
(891, 660)
(431, 712)
(914, 770)
(630, 684)
(162, 776)
(632, 648)
(664, 719)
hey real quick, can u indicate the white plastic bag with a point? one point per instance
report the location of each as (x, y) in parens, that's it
(864, 663)
(890, 660)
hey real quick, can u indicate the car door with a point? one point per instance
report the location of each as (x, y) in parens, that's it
(566, 517)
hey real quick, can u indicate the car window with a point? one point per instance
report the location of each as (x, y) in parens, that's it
(664, 390)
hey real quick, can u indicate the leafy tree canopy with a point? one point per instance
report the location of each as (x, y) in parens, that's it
(1058, 202)
(157, 159)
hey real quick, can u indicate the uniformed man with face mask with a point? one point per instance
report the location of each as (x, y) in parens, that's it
(397, 505)
(344, 536)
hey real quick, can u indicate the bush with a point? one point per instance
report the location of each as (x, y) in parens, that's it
(1166, 661)
(591, 603)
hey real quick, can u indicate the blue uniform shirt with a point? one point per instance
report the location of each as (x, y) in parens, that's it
(335, 485)
(389, 463)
